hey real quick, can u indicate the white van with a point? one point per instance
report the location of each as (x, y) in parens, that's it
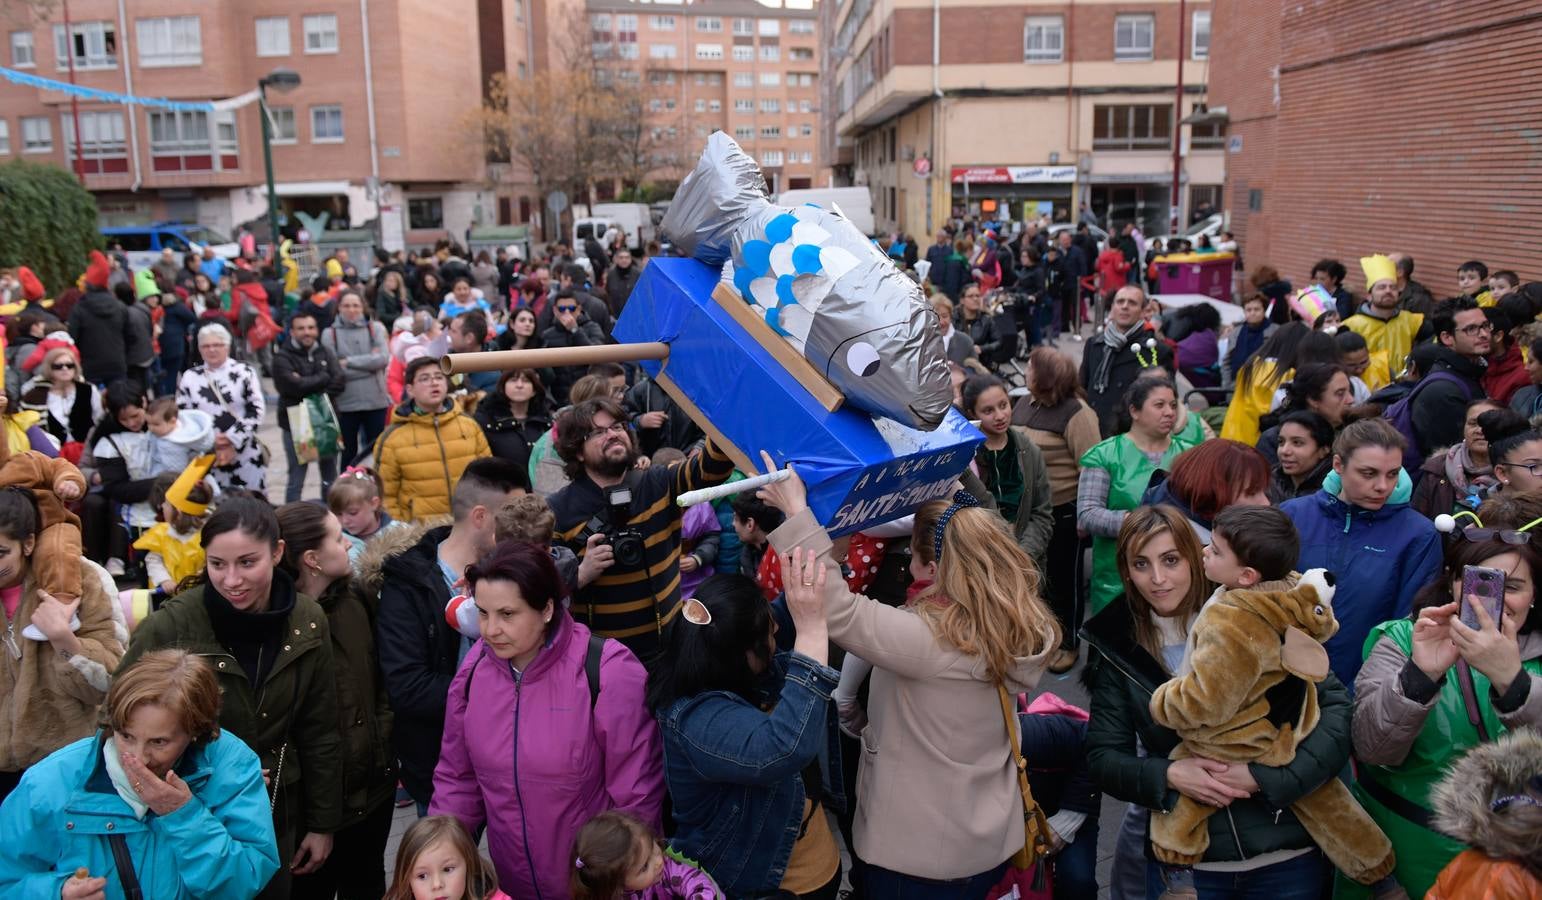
(633, 219)
(855, 203)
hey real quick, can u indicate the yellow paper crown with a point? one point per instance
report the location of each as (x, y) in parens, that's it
(1378, 268)
(177, 494)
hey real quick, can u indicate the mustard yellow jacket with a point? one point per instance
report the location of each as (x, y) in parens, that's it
(421, 456)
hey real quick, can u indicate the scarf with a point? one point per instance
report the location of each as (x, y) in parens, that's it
(1116, 341)
(1463, 474)
(120, 779)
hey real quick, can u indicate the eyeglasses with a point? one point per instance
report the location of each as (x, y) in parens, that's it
(430, 378)
(1477, 328)
(62, 366)
(601, 431)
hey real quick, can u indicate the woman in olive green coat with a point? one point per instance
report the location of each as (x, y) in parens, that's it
(272, 651)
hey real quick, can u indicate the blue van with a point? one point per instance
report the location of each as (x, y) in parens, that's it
(142, 244)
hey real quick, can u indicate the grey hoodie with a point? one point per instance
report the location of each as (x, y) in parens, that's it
(364, 345)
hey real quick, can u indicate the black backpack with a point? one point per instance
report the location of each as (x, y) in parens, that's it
(592, 656)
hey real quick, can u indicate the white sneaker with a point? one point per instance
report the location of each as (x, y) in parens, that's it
(115, 567)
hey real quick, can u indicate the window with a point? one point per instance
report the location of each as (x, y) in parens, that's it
(771, 79)
(669, 103)
(770, 52)
(709, 51)
(425, 212)
(281, 120)
(805, 79)
(1043, 39)
(770, 27)
(701, 79)
(657, 77)
(744, 106)
(663, 23)
(701, 105)
(626, 28)
(5, 136)
(181, 142)
(37, 136)
(744, 27)
(600, 22)
(1133, 37)
(273, 36)
(770, 105)
(1206, 135)
(169, 41)
(744, 79)
(771, 157)
(808, 156)
(770, 131)
(1132, 127)
(661, 51)
(744, 53)
(743, 134)
(320, 33)
(326, 124)
(800, 26)
(627, 51)
(709, 23)
(805, 106)
(655, 105)
(715, 105)
(629, 76)
(715, 79)
(1199, 44)
(23, 55)
(800, 54)
(94, 46)
(102, 146)
(808, 131)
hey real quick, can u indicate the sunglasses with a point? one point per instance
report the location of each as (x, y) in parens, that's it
(567, 309)
(62, 366)
(1476, 533)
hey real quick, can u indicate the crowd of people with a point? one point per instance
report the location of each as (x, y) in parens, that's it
(1293, 559)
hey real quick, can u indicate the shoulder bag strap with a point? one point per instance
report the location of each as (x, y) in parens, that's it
(1035, 825)
(124, 862)
(1470, 699)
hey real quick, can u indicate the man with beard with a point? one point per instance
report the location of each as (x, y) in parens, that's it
(632, 600)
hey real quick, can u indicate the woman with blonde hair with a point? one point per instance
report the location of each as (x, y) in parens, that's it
(936, 748)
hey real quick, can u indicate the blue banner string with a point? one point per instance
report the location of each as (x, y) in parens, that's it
(86, 93)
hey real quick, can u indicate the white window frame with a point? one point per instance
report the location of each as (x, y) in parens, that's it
(1129, 30)
(1200, 24)
(770, 79)
(744, 53)
(769, 27)
(315, 25)
(599, 22)
(663, 23)
(325, 109)
(94, 143)
(770, 105)
(800, 54)
(771, 157)
(266, 29)
(744, 27)
(628, 50)
(808, 131)
(626, 22)
(180, 40)
(278, 115)
(709, 52)
(744, 105)
(701, 105)
(715, 79)
(744, 79)
(805, 106)
(800, 26)
(1044, 39)
(744, 133)
(709, 24)
(714, 106)
(770, 53)
(23, 40)
(39, 138)
(91, 33)
(770, 131)
(5, 137)
(661, 51)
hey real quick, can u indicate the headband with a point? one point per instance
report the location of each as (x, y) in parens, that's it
(961, 499)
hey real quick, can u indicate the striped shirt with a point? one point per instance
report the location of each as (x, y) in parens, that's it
(633, 604)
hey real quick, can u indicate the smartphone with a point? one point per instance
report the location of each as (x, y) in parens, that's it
(1483, 585)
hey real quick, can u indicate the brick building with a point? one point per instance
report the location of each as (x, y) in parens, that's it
(1019, 109)
(1355, 128)
(748, 69)
(377, 128)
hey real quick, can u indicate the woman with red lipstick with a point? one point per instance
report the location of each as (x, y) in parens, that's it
(271, 650)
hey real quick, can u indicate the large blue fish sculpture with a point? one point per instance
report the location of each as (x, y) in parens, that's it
(818, 282)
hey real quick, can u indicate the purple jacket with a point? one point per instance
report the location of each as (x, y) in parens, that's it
(536, 764)
(680, 880)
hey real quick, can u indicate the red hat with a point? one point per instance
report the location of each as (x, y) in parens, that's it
(31, 287)
(98, 270)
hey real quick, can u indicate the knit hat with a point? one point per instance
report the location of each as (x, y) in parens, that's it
(145, 284)
(1378, 268)
(31, 287)
(97, 270)
(334, 269)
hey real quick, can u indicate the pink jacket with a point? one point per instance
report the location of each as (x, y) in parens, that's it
(536, 762)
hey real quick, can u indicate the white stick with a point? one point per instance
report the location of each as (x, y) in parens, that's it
(706, 495)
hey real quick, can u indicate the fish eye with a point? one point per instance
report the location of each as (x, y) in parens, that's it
(862, 359)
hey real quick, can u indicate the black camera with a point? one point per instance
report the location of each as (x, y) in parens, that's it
(626, 544)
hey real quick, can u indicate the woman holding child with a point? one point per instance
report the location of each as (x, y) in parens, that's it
(1138, 644)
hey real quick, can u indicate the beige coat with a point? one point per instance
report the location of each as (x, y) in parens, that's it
(937, 793)
(47, 701)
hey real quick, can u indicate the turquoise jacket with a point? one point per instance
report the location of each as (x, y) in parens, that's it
(220, 844)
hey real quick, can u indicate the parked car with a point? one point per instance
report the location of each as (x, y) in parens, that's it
(1210, 226)
(142, 244)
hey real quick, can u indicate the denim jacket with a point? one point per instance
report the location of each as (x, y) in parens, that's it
(735, 772)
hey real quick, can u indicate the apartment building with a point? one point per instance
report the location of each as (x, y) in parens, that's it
(1413, 132)
(748, 69)
(948, 108)
(379, 127)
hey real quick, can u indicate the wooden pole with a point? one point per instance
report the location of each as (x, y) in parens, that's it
(503, 360)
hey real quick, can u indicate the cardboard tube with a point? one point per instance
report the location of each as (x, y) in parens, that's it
(503, 360)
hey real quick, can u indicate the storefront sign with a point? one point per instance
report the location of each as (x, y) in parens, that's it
(1014, 174)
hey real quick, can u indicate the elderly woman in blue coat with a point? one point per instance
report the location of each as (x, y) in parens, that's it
(160, 801)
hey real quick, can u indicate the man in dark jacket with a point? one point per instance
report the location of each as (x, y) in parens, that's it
(657, 419)
(619, 281)
(570, 278)
(599, 262)
(1110, 366)
(1456, 378)
(414, 570)
(303, 368)
(1411, 295)
(571, 327)
(1073, 265)
(938, 253)
(99, 325)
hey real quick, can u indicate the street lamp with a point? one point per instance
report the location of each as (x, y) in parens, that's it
(283, 81)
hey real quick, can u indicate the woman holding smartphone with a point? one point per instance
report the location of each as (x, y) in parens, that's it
(1433, 687)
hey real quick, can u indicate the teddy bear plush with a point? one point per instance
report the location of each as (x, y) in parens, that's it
(1247, 695)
